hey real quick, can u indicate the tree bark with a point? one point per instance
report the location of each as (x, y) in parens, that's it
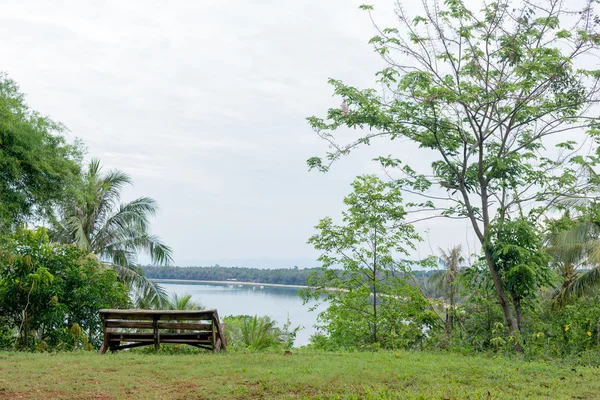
(375, 288)
(513, 326)
(517, 304)
(451, 311)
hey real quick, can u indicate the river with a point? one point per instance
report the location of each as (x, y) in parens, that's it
(279, 303)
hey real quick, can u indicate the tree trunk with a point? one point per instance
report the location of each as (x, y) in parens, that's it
(448, 325)
(517, 304)
(513, 326)
(452, 310)
(375, 288)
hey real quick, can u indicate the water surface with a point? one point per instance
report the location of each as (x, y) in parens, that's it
(279, 303)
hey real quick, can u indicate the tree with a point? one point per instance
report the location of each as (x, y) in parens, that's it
(46, 288)
(446, 281)
(184, 302)
(574, 242)
(256, 333)
(362, 279)
(488, 95)
(37, 166)
(96, 222)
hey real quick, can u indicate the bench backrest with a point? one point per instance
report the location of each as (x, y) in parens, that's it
(201, 320)
(151, 315)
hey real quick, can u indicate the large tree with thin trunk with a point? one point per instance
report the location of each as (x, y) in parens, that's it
(96, 222)
(499, 97)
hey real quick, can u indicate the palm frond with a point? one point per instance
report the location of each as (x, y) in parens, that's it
(438, 279)
(176, 302)
(259, 333)
(570, 202)
(135, 278)
(587, 283)
(95, 221)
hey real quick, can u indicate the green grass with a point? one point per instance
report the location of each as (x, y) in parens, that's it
(382, 375)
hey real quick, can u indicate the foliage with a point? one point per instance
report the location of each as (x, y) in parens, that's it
(37, 165)
(364, 284)
(183, 302)
(573, 242)
(478, 316)
(96, 222)
(515, 246)
(50, 294)
(488, 94)
(256, 333)
(570, 332)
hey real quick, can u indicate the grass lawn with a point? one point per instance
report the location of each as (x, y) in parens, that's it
(383, 375)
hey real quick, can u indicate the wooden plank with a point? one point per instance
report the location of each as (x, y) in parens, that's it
(141, 311)
(148, 315)
(130, 345)
(165, 316)
(185, 341)
(104, 347)
(185, 326)
(118, 323)
(150, 341)
(150, 336)
(214, 335)
(186, 336)
(220, 330)
(132, 339)
(162, 317)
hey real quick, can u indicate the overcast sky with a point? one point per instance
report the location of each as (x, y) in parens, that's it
(204, 105)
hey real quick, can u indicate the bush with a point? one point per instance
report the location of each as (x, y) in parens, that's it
(51, 293)
(572, 331)
(254, 333)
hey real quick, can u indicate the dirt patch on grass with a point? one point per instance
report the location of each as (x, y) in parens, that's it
(52, 394)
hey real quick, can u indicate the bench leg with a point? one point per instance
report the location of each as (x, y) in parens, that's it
(156, 334)
(103, 348)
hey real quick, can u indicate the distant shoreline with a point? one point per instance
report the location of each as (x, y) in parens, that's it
(230, 283)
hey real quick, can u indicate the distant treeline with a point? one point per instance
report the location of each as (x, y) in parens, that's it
(282, 276)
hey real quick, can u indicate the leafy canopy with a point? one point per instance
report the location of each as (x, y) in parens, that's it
(498, 98)
(37, 165)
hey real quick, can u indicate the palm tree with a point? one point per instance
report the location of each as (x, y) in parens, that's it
(445, 281)
(184, 302)
(258, 333)
(96, 221)
(572, 249)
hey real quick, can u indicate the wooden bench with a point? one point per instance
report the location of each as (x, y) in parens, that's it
(200, 328)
